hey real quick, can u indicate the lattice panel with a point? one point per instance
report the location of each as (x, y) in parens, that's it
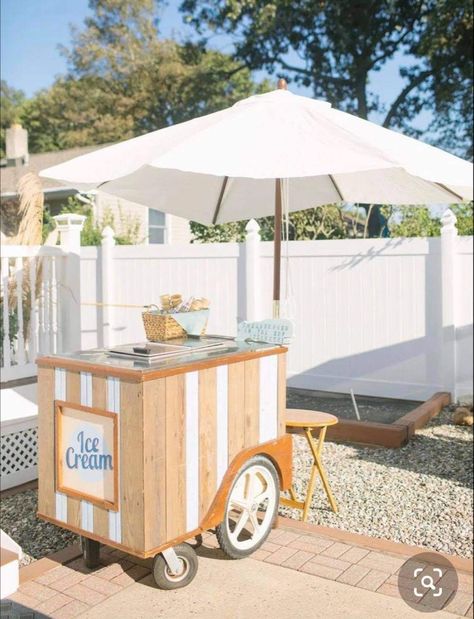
(19, 451)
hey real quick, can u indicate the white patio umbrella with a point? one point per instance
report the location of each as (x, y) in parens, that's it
(233, 165)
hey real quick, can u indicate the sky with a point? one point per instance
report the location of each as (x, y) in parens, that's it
(31, 31)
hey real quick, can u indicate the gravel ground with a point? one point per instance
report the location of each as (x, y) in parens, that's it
(36, 537)
(381, 410)
(420, 494)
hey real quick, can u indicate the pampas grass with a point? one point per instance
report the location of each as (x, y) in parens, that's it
(26, 216)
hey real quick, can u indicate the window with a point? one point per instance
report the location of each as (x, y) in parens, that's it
(156, 226)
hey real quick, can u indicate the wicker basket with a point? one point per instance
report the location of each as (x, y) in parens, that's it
(160, 327)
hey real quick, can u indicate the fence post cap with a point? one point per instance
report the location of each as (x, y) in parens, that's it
(107, 233)
(69, 220)
(448, 220)
(252, 226)
(108, 236)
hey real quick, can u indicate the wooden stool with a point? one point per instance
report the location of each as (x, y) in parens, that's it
(309, 421)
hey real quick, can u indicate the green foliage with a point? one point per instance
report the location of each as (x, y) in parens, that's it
(336, 48)
(324, 222)
(413, 221)
(465, 218)
(91, 233)
(11, 103)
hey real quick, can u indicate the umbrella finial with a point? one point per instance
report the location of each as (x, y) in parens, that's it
(282, 85)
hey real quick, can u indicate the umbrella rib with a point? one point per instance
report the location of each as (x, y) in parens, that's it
(219, 201)
(453, 193)
(336, 187)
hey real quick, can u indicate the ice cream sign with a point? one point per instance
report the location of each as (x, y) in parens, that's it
(86, 454)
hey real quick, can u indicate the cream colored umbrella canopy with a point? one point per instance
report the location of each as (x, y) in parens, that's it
(227, 166)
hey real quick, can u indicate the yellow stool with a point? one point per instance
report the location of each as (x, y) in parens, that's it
(309, 421)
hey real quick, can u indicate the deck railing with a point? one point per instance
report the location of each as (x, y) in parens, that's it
(31, 277)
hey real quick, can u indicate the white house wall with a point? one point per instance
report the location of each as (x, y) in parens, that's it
(129, 213)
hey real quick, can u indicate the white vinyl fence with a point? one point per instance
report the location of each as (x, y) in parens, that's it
(389, 317)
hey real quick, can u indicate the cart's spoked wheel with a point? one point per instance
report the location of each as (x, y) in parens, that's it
(251, 508)
(174, 572)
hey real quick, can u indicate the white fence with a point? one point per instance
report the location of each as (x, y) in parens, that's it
(31, 278)
(389, 317)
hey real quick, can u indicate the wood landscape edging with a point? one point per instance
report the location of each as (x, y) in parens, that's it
(391, 435)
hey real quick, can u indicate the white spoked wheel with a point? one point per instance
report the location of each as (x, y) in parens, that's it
(251, 508)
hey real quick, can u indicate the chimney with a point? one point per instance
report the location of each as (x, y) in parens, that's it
(16, 145)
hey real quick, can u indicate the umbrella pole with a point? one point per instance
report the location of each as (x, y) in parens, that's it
(277, 251)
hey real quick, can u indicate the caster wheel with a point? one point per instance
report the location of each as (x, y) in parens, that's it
(251, 508)
(162, 574)
(90, 552)
(197, 542)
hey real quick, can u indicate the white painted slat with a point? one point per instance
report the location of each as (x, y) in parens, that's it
(45, 307)
(20, 340)
(268, 398)
(33, 331)
(53, 300)
(222, 421)
(5, 317)
(192, 450)
(60, 394)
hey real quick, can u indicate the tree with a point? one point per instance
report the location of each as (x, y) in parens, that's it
(123, 81)
(11, 102)
(335, 47)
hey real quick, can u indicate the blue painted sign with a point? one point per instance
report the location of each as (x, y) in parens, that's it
(271, 331)
(87, 454)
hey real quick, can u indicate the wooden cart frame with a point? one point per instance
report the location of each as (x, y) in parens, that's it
(183, 434)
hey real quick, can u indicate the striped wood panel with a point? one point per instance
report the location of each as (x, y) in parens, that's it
(131, 465)
(187, 438)
(154, 424)
(207, 439)
(175, 457)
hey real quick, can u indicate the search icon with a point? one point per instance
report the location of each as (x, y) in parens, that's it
(428, 583)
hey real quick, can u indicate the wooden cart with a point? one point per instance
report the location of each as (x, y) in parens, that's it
(143, 458)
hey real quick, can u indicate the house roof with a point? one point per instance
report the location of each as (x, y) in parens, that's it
(9, 176)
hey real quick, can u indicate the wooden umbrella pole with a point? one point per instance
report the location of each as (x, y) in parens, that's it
(277, 251)
(281, 85)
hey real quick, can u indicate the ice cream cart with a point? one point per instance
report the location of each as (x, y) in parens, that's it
(142, 457)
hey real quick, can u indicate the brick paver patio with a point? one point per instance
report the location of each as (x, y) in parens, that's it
(69, 590)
